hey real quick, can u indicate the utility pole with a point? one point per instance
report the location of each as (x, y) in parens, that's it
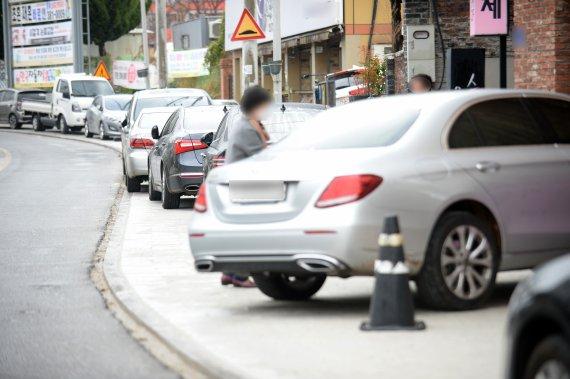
(6, 30)
(145, 43)
(277, 85)
(249, 55)
(161, 42)
(77, 19)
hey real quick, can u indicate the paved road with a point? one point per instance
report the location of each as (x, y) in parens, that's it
(54, 199)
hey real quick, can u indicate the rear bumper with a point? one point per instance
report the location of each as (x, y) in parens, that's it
(136, 162)
(289, 263)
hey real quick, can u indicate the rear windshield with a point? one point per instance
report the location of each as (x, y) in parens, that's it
(280, 124)
(91, 88)
(148, 120)
(345, 130)
(117, 103)
(169, 101)
(203, 121)
(32, 95)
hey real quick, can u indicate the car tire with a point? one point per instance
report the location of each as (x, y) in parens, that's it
(13, 121)
(169, 200)
(88, 134)
(153, 195)
(37, 124)
(102, 135)
(289, 287)
(458, 274)
(63, 127)
(132, 184)
(549, 359)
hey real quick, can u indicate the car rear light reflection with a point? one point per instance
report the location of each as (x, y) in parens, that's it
(200, 205)
(219, 159)
(362, 91)
(346, 189)
(186, 145)
(141, 143)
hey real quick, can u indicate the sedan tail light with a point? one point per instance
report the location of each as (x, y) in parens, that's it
(201, 205)
(141, 143)
(186, 145)
(346, 189)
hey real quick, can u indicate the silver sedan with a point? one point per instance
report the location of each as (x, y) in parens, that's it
(105, 115)
(480, 181)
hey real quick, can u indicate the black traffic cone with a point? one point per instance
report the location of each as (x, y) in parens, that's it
(391, 306)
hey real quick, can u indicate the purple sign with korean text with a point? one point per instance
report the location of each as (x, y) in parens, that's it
(489, 17)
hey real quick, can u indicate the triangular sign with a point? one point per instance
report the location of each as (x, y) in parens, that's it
(102, 71)
(247, 28)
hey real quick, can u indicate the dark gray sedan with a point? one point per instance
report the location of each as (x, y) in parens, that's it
(175, 161)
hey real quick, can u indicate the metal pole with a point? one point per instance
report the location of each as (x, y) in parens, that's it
(88, 38)
(161, 43)
(145, 42)
(277, 82)
(503, 61)
(7, 43)
(78, 65)
(248, 54)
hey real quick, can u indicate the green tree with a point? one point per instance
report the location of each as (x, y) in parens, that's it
(215, 50)
(111, 19)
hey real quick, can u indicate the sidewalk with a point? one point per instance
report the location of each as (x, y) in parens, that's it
(231, 332)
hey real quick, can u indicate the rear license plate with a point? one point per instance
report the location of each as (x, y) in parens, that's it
(254, 191)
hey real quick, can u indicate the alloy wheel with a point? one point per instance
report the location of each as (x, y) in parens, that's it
(13, 121)
(467, 262)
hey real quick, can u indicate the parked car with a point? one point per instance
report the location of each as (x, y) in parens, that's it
(539, 324)
(227, 102)
(478, 178)
(175, 161)
(105, 115)
(11, 105)
(281, 120)
(137, 142)
(169, 97)
(67, 105)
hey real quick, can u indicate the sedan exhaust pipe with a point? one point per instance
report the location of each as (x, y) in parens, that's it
(204, 265)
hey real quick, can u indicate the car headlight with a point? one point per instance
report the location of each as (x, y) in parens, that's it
(75, 107)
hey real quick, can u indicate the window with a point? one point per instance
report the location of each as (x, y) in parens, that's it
(32, 95)
(221, 130)
(167, 101)
(117, 103)
(170, 124)
(463, 134)
(557, 113)
(63, 86)
(505, 122)
(2, 94)
(148, 120)
(9, 96)
(202, 119)
(91, 88)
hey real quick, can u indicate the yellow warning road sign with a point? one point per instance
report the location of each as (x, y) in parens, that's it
(102, 71)
(247, 28)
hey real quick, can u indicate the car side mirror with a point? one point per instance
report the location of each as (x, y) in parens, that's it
(207, 138)
(101, 108)
(154, 132)
(124, 123)
(66, 95)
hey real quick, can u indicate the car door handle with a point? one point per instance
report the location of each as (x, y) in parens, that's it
(487, 166)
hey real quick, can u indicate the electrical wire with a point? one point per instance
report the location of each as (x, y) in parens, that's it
(438, 27)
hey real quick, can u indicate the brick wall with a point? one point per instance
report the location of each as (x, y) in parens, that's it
(226, 70)
(543, 62)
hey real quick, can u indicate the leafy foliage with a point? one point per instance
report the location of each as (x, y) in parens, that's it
(374, 75)
(216, 50)
(110, 19)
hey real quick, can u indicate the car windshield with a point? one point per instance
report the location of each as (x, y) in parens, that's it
(169, 101)
(91, 88)
(203, 121)
(148, 120)
(117, 103)
(339, 129)
(280, 123)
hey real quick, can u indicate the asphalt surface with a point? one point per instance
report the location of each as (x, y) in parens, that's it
(55, 197)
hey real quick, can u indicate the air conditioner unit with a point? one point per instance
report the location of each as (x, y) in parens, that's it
(214, 28)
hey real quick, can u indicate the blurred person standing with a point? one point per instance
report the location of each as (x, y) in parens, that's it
(421, 83)
(248, 137)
